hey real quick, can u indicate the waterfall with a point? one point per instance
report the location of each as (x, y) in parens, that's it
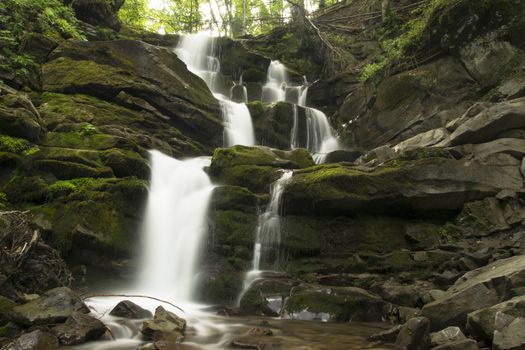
(320, 139)
(174, 227)
(198, 52)
(267, 233)
(276, 81)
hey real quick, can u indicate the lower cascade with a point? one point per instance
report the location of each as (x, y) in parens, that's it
(267, 234)
(175, 226)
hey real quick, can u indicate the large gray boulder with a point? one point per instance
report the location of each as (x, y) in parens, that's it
(447, 335)
(478, 289)
(489, 123)
(414, 335)
(510, 334)
(482, 323)
(54, 306)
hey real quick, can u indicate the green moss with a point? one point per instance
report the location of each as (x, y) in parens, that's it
(255, 178)
(80, 140)
(25, 189)
(234, 228)
(234, 198)
(401, 261)
(69, 170)
(17, 146)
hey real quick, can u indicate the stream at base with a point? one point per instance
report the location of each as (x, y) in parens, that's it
(208, 331)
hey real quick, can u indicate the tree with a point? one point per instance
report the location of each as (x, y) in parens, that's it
(133, 13)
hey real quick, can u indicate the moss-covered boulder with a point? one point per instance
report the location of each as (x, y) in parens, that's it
(86, 122)
(104, 69)
(255, 167)
(431, 184)
(265, 297)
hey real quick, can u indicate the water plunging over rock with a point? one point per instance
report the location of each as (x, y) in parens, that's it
(268, 234)
(174, 226)
(198, 52)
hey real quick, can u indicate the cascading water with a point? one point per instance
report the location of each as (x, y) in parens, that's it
(175, 223)
(267, 234)
(198, 52)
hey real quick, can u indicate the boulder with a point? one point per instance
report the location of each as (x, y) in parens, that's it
(475, 290)
(165, 326)
(40, 340)
(129, 309)
(488, 59)
(415, 335)
(255, 168)
(489, 123)
(106, 68)
(340, 304)
(427, 184)
(464, 344)
(79, 328)
(481, 324)
(54, 306)
(425, 139)
(509, 335)
(447, 335)
(342, 156)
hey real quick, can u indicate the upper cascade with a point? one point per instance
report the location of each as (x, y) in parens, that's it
(198, 51)
(320, 138)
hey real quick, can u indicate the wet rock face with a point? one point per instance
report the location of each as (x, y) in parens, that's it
(424, 185)
(104, 69)
(54, 306)
(407, 104)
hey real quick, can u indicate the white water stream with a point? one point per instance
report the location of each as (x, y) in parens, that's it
(319, 134)
(198, 52)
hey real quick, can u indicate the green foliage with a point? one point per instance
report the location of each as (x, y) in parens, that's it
(400, 40)
(18, 18)
(16, 145)
(133, 13)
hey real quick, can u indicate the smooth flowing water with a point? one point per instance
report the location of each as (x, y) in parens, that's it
(267, 234)
(174, 227)
(319, 135)
(198, 51)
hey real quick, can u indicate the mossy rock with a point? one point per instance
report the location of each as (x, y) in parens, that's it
(255, 301)
(26, 189)
(76, 139)
(221, 288)
(340, 304)
(255, 168)
(434, 187)
(260, 156)
(126, 163)
(234, 228)
(234, 198)
(107, 68)
(68, 170)
(99, 216)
